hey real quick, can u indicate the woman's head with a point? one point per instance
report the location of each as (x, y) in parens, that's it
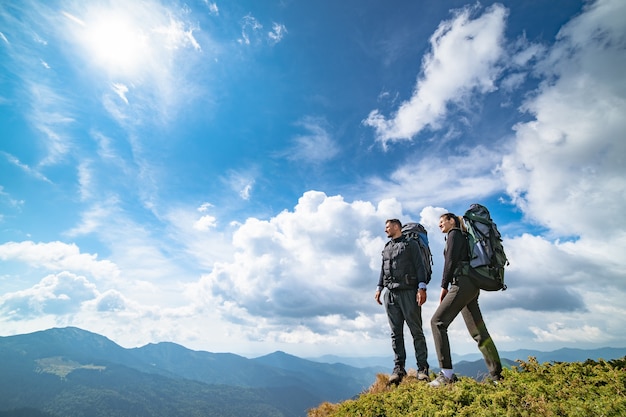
(448, 222)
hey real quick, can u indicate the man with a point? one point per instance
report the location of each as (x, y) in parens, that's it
(462, 297)
(403, 274)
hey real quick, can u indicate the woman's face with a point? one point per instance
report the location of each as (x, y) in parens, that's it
(445, 224)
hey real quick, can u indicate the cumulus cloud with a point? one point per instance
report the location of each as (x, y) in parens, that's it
(464, 58)
(300, 273)
(567, 169)
(111, 300)
(205, 223)
(56, 294)
(57, 256)
(297, 256)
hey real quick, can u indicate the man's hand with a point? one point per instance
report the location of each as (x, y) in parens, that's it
(377, 297)
(421, 296)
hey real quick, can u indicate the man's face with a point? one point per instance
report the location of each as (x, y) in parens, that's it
(391, 229)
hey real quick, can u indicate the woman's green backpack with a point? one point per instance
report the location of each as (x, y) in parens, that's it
(487, 257)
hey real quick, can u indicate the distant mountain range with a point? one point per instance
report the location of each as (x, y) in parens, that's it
(560, 355)
(69, 371)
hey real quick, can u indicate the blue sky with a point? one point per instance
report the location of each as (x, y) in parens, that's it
(218, 174)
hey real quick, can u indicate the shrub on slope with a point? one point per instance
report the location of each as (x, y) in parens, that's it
(531, 389)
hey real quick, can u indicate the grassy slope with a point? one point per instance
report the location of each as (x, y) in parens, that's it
(530, 389)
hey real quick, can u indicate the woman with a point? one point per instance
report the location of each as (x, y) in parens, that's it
(462, 297)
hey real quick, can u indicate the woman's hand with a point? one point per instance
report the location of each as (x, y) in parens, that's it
(444, 292)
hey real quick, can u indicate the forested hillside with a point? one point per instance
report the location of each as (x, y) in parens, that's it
(72, 372)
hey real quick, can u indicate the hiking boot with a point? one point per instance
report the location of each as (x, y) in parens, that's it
(441, 380)
(422, 375)
(397, 375)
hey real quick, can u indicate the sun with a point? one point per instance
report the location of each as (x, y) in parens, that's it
(112, 41)
(116, 43)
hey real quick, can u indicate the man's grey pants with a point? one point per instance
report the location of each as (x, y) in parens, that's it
(463, 298)
(402, 307)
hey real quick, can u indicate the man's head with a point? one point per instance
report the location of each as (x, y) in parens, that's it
(393, 228)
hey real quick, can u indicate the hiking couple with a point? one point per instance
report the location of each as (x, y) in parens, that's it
(403, 274)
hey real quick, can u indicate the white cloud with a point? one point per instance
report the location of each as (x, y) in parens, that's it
(213, 9)
(85, 179)
(187, 233)
(94, 218)
(27, 169)
(205, 223)
(464, 59)
(567, 170)
(111, 300)
(249, 29)
(204, 207)
(58, 256)
(277, 34)
(50, 115)
(561, 333)
(177, 35)
(427, 179)
(316, 146)
(299, 269)
(56, 294)
(10, 200)
(121, 90)
(241, 182)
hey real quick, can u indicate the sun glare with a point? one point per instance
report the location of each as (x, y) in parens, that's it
(115, 43)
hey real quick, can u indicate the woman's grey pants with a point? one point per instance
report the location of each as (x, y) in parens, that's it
(463, 298)
(401, 306)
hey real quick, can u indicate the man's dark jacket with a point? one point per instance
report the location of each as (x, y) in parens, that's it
(403, 267)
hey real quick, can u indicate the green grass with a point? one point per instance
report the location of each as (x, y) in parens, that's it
(578, 389)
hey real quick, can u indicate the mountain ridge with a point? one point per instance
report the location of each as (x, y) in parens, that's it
(558, 355)
(67, 371)
(71, 369)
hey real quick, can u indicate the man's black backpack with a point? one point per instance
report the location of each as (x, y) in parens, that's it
(487, 257)
(417, 232)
